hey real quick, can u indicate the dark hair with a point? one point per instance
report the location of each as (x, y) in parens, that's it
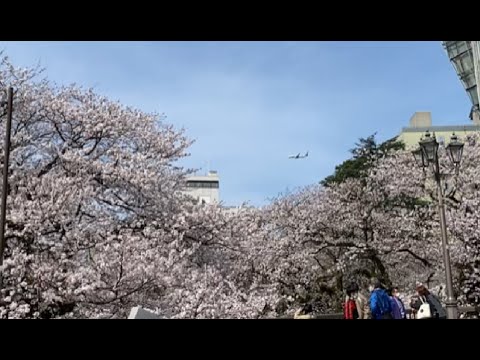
(353, 287)
(390, 291)
(378, 285)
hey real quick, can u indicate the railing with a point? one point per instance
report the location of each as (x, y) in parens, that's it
(329, 316)
(319, 316)
(462, 310)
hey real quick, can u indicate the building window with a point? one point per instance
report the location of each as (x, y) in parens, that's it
(203, 184)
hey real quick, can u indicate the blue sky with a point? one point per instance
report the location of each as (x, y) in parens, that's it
(249, 105)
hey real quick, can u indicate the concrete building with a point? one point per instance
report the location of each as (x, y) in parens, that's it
(422, 121)
(204, 188)
(465, 58)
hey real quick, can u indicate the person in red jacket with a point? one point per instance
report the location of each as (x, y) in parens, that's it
(356, 304)
(350, 310)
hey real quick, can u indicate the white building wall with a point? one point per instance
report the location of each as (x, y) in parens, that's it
(208, 195)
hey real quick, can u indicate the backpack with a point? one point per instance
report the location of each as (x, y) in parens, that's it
(384, 304)
(350, 310)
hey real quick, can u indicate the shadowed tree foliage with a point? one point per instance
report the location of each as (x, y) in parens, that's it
(365, 153)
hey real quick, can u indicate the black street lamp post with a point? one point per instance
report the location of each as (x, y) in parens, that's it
(425, 155)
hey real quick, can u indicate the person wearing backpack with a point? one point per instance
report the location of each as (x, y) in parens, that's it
(428, 306)
(380, 305)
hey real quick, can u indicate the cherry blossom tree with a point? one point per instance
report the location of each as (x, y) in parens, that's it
(461, 203)
(374, 225)
(224, 277)
(463, 215)
(97, 221)
(385, 223)
(94, 200)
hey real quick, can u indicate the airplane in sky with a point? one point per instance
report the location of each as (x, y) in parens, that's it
(298, 156)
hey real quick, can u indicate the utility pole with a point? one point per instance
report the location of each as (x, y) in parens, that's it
(6, 150)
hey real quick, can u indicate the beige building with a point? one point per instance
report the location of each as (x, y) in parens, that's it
(422, 121)
(204, 188)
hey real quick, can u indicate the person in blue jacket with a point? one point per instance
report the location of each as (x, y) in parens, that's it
(380, 305)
